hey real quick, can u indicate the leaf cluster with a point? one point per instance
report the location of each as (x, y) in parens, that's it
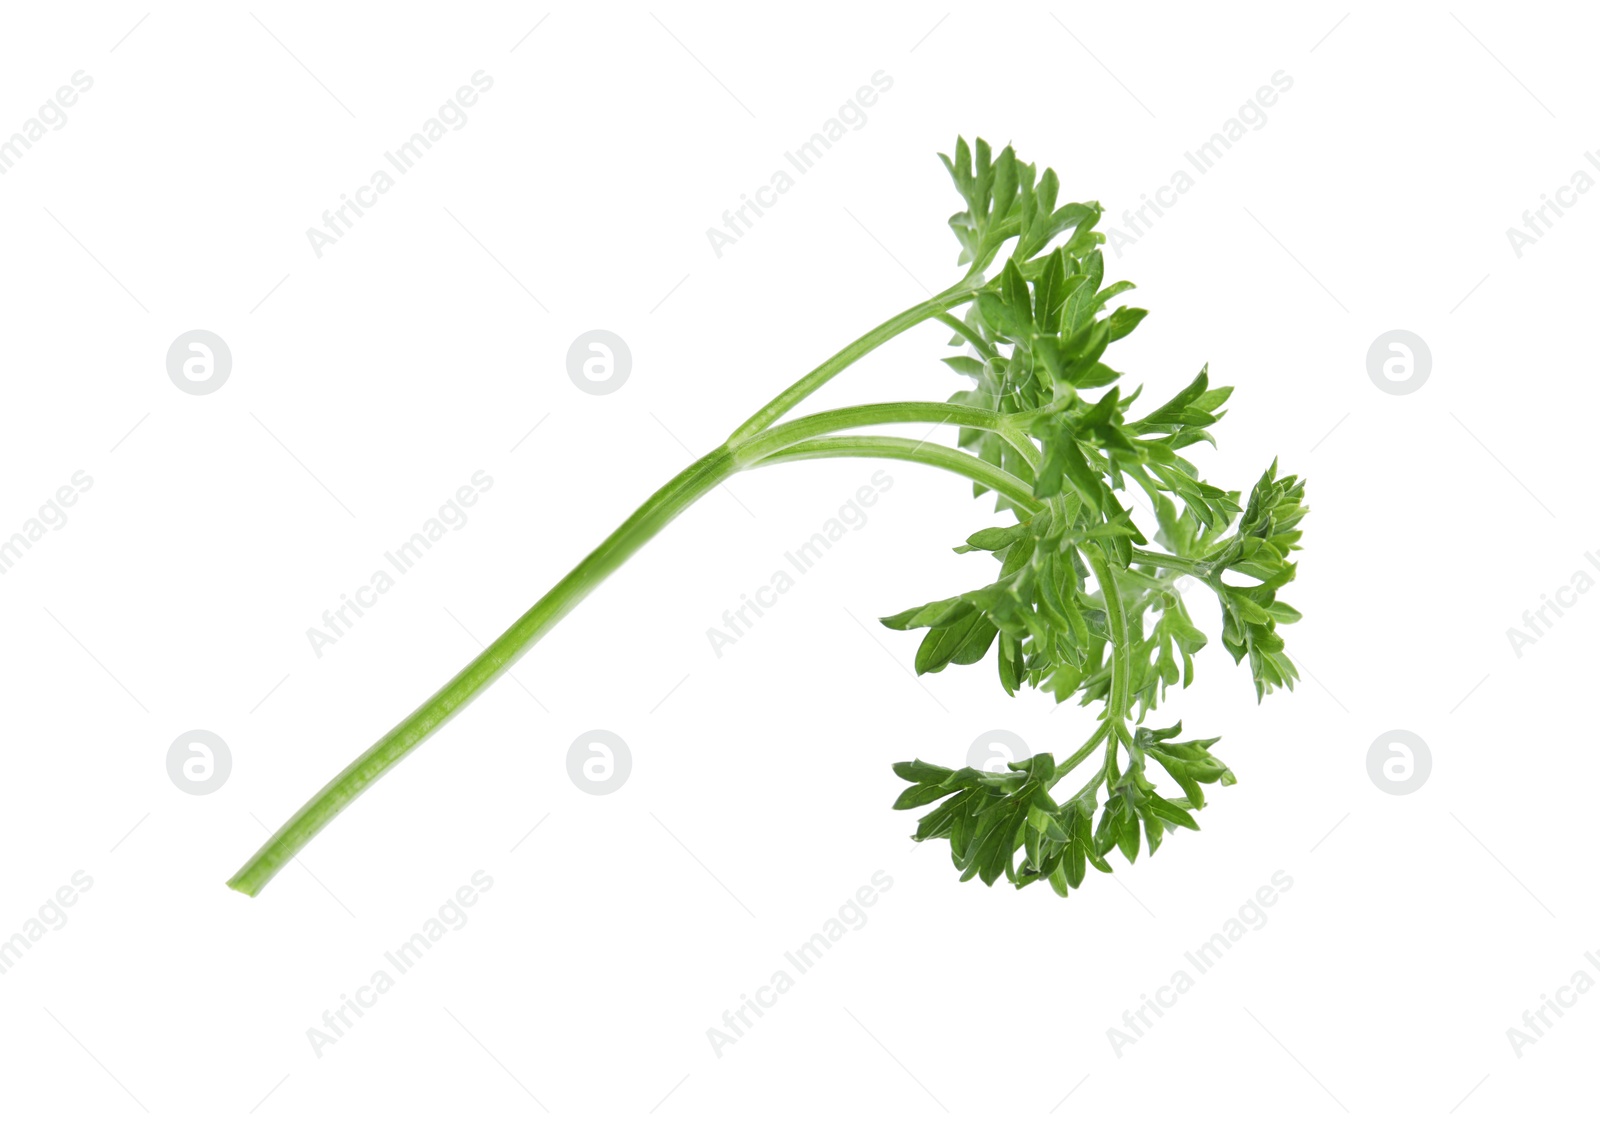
(1007, 822)
(1085, 605)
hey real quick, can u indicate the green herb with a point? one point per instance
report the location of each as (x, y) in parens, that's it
(1059, 461)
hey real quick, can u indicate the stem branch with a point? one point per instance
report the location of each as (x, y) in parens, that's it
(752, 444)
(1121, 657)
(770, 441)
(910, 450)
(798, 391)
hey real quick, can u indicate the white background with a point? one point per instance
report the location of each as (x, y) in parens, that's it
(370, 383)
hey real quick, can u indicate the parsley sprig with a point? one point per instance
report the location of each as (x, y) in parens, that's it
(1084, 605)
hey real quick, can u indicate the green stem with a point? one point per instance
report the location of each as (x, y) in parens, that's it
(973, 337)
(1152, 583)
(1064, 768)
(774, 439)
(749, 446)
(1172, 563)
(1121, 657)
(649, 519)
(910, 450)
(797, 392)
